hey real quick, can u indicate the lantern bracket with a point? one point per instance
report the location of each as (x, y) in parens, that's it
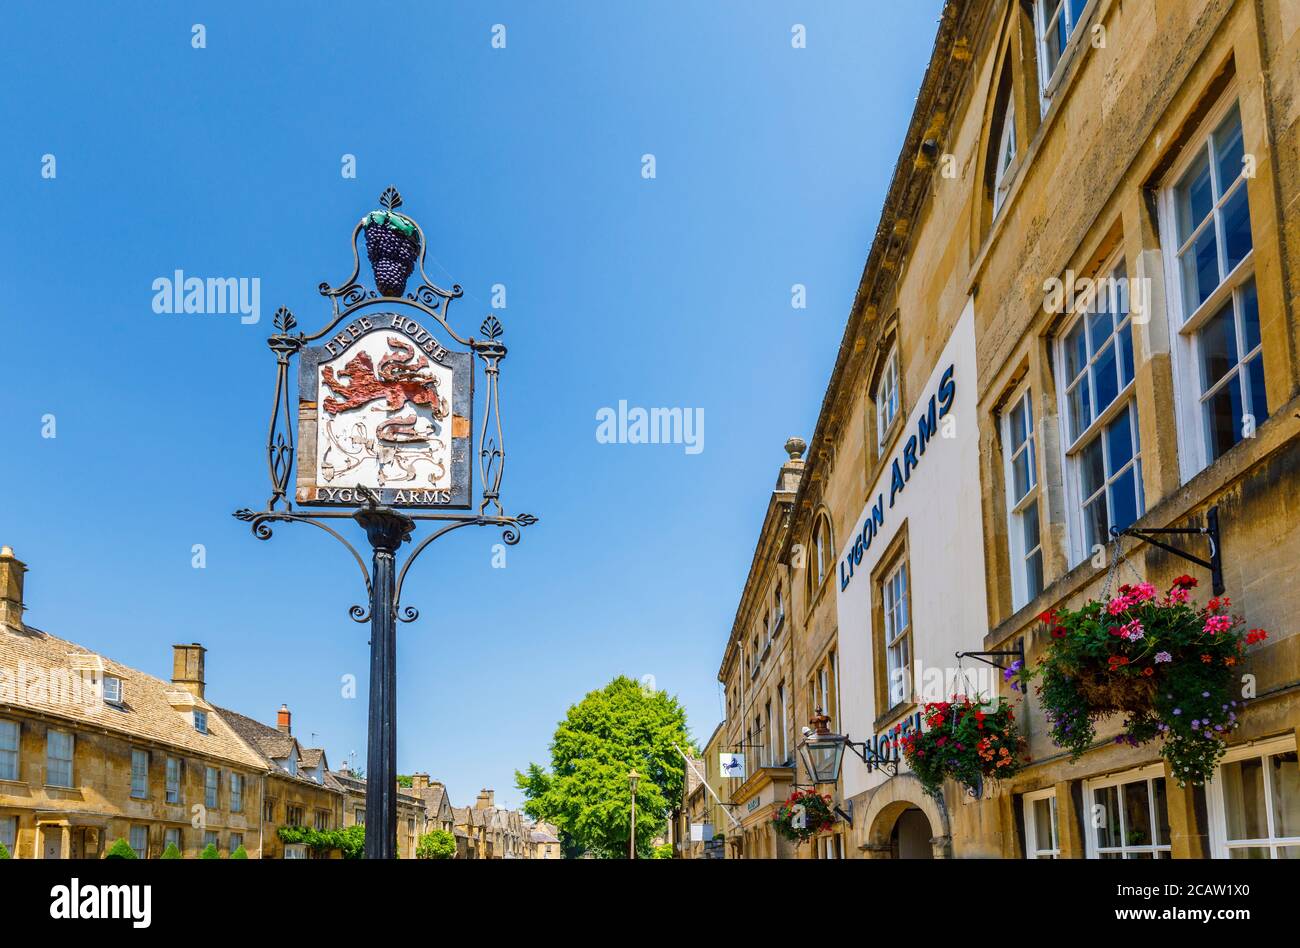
(871, 758)
(1210, 531)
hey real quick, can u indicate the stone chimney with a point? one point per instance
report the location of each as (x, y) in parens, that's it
(187, 668)
(419, 781)
(284, 720)
(486, 799)
(11, 589)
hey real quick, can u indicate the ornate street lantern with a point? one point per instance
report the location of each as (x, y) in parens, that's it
(384, 424)
(822, 751)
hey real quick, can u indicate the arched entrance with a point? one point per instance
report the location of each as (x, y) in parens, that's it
(910, 837)
(901, 821)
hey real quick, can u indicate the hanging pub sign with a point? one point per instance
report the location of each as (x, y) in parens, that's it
(384, 406)
(731, 765)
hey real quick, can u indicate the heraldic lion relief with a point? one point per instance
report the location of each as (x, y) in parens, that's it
(384, 417)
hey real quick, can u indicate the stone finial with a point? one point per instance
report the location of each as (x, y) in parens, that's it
(795, 447)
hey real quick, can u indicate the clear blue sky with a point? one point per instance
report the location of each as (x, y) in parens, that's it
(524, 166)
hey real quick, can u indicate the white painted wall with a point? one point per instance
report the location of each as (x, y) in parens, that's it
(941, 506)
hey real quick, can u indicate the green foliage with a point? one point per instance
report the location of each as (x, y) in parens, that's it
(4, 853)
(171, 852)
(240, 852)
(586, 794)
(436, 844)
(351, 841)
(121, 850)
(404, 780)
(662, 852)
(1163, 662)
(966, 740)
(210, 852)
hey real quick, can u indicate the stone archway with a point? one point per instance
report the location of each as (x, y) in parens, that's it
(900, 812)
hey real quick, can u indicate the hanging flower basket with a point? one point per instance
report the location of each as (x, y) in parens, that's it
(966, 740)
(392, 244)
(803, 815)
(1162, 661)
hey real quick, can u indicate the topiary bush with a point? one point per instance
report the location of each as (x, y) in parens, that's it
(4, 853)
(240, 852)
(210, 852)
(171, 852)
(121, 850)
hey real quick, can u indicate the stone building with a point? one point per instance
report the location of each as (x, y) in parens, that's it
(985, 427)
(298, 791)
(758, 676)
(92, 751)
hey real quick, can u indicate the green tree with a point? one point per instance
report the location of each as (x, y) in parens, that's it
(586, 791)
(240, 852)
(436, 844)
(662, 852)
(171, 852)
(121, 850)
(404, 780)
(210, 852)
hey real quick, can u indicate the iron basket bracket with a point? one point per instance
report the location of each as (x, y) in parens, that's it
(990, 658)
(1210, 531)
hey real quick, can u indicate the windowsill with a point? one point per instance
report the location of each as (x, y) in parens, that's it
(14, 783)
(57, 789)
(893, 716)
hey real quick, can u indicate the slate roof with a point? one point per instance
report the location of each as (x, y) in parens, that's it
(271, 743)
(151, 709)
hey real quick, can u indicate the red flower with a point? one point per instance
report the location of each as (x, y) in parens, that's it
(1148, 671)
(1185, 582)
(1255, 635)
(1058, 633)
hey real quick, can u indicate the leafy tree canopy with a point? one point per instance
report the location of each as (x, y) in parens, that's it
(603, 737)
(436, 844)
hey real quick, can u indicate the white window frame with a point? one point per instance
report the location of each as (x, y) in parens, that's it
(173, 778)
(200, 721)
(11, 757)
(1148, 775)
(1125, 400)
(1017, 509)
(1004, 164)
(142, 850)
(1219, 844)
(888, 399)
(295, 851)
(139, 773)
(1034, 848)
(173, 835)
(1184, 327)
(9, 836)
(50, 759)
(212, 788)
(1049, 80)
(891, 599)
(112, 688)
(778, 609)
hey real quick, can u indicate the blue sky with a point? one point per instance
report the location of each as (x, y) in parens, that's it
(523, 165)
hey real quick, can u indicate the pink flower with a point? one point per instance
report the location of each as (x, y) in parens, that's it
(1132, 631)
(1117, 605)
(1143, 591)
(1180, 596)
(1219, 623)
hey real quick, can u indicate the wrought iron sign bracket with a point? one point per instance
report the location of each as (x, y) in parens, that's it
(845, 811)
(992, 658)
(1210, 531)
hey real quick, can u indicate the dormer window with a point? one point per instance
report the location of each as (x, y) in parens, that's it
(200, 721)
(887, 400)
(112, 690)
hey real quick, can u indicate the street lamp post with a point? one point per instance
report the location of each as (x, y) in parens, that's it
(632, 779)
(384, 424)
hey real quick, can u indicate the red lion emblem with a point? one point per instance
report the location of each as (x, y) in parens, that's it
(399, 379)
